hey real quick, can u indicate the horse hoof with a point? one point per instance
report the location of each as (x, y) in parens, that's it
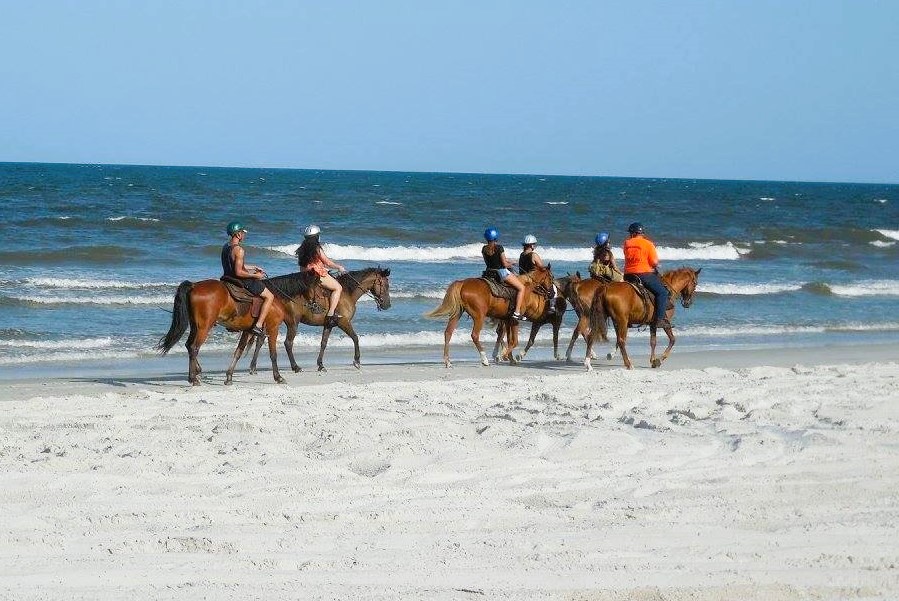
(656, 363)
(321, 368)
(297, 369)
(252, 372)
(228, 382)
(280, 380)
(357, 365)
(588, 366)
(448, 364)
(608, 356)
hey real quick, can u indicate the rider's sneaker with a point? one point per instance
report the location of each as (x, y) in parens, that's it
(257, 331)
(518, 316)
(663, 323)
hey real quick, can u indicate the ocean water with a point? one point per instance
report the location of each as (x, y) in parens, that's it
(91, 254)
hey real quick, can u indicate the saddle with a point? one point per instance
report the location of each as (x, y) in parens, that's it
(648, 299)
(242, 297)
(497, 288)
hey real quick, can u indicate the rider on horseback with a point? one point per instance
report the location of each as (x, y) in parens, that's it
(603, 266)
(495, 259)
(312, 258)
(233, 266)
(528, 260)
(641, 262)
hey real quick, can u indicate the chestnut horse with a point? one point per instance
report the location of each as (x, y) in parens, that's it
(620, 302)
(473, 296)
(579, 293)
(372, 281)
(202, 305)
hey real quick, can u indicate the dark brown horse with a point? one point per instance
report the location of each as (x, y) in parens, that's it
(473, 296)
(373, 281)
(202, 305)
(552, 318)
(621, 302)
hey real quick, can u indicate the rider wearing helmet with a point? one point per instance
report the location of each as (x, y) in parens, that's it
(233, 266)
(603, 266)
(642, 262)
(495, 259)
(312, 258)
(528, 259)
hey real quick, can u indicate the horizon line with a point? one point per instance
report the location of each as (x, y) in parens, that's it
(489, 173)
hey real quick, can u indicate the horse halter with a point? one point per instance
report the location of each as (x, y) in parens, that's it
(686, 298)
(377, 296)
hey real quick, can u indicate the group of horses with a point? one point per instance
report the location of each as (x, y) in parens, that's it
(299, 299)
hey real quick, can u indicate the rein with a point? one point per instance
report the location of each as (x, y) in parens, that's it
(364, 291)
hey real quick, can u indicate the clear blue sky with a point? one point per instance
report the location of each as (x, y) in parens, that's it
(726, 89)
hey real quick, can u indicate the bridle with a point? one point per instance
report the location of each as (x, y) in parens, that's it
(377, 296)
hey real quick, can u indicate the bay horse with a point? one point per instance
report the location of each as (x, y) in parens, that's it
(579, 293)
(621, 302)
(202, 305)
(473, 296)
(373, 281)
(554, 319)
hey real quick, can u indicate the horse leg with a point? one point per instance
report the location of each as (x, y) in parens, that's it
(194, 342)
(556, 324)
(447, 336)
(574, 336)
(535, 327)
(477, 324)
(326, 334)
(259, 341)
(272, 335)
(238, 353)
(288, 346)
(349, 331)
(658, 362)
(512, 339)
(499, 340)
(652, 347)
(621, 339)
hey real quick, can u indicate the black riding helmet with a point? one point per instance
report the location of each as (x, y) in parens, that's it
(635, 228)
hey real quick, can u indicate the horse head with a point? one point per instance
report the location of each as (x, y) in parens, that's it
(381, 288)
(688, 289)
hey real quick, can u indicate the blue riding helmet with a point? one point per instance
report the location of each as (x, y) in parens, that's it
(635, 228)
(602, 238)
(491, 234)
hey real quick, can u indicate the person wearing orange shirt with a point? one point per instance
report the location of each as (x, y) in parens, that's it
(642, 262)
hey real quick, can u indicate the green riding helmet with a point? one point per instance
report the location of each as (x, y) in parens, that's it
(234, 227)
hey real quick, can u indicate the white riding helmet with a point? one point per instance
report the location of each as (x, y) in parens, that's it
(529, 239)
(312, 230)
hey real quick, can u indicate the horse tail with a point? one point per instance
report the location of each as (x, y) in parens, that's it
(452, 302)
(180, 318)
(598, 315)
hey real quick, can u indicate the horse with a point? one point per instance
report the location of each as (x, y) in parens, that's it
(554, 319)
(623, 304)
(473, 296)
(372, 281)
(579, 293)
(202, 305)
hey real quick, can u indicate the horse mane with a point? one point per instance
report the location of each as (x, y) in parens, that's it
(290, 285)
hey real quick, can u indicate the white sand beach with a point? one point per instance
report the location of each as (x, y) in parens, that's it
(731, 475)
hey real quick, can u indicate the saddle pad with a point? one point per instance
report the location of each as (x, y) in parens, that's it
(500, 290)
(238, 292)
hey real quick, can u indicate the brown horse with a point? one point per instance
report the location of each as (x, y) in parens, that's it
(580, 292)
(202, 305)
(372, 281)
(621, 302)
(554, 319)
(473, 296)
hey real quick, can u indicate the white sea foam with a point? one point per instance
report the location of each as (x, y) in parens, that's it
(472, 253)
(746, 289)
(155, 299)
(388, 202)
(557, 202)
(881, 244)
(894, 234)
(84, 344)
(75, 283)
(867, 288)
(131, 217)
(766, 198)
(880, 200)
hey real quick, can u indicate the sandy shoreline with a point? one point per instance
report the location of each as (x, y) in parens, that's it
(725, 475)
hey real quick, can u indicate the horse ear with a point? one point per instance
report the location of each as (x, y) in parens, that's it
(386, 272)
(549, 266)
(698, 270)
(578, 274)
